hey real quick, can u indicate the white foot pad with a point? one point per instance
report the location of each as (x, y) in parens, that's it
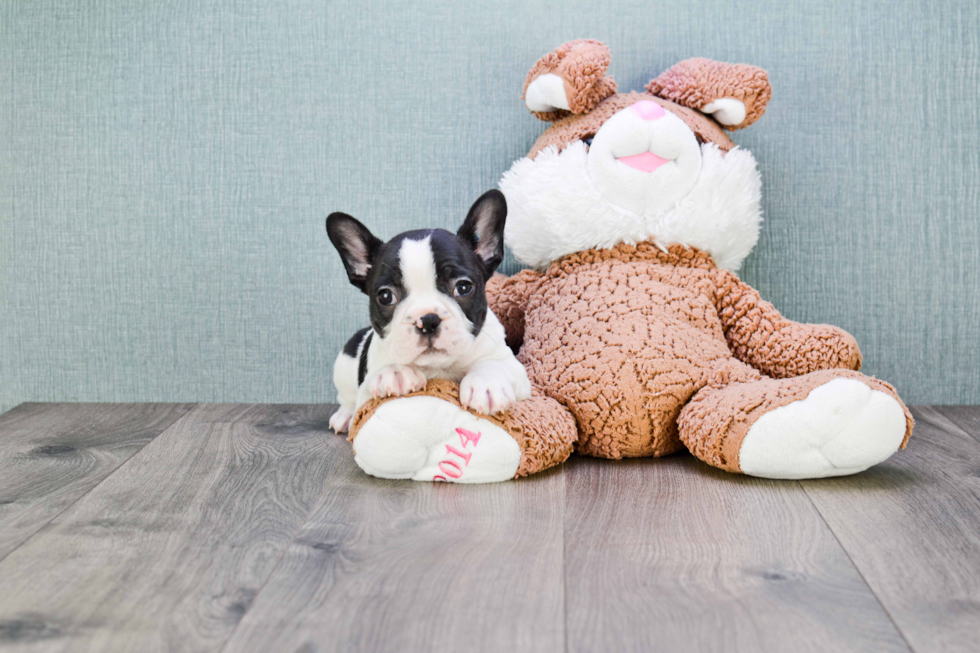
(842, 427)
(428, 439)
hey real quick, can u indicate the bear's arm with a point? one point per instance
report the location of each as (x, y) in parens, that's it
(759, 336)
(507, 298)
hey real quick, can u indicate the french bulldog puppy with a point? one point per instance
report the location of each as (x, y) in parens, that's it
(429, 315)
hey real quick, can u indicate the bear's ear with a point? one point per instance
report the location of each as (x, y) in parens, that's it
(572, 79)
(736, 95)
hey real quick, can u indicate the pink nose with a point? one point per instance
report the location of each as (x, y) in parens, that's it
(648, 110)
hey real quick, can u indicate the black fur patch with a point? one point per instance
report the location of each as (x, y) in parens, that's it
(362, 364)
(387, 273)
(453, 258)
(350, 349)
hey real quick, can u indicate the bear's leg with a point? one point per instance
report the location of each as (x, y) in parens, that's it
(428, 436)
(827, 423)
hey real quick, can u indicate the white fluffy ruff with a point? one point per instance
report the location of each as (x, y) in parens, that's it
(554, 209)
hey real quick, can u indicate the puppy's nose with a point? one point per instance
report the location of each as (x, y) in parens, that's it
(428, 324)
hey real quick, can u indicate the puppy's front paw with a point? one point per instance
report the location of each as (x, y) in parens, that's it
(395, 381)
(486, 394)
(340, 421)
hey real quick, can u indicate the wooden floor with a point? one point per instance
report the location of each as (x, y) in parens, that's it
(154, 527)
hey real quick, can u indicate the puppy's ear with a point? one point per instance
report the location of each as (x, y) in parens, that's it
(356, 244)
(483, 229)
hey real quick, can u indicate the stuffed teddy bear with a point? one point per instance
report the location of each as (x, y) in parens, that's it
(634, 210)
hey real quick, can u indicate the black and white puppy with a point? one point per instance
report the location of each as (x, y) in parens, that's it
(429, 315)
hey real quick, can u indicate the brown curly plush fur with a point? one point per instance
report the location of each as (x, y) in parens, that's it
(582, 65)
(626, 337)
(697, 82)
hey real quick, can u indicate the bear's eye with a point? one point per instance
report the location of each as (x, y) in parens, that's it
(463, 288)
(386, 297)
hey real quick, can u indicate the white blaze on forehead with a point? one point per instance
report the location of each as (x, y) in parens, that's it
(418, 266)
(402, 342)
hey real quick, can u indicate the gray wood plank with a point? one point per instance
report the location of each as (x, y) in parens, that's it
(671, 555)
(404, 566)
(965, 417)
(52, 454)
(168, 552)
(912, 527)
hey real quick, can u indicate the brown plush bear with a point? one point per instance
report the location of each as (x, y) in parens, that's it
(635, 209)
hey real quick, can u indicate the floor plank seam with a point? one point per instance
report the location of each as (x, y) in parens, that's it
(282, 556)
(860, 573)
(101, 481)
(953, 420)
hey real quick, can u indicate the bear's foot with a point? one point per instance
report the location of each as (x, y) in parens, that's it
(428, 439)
(842, 427)
(829, 423)
(429, 436)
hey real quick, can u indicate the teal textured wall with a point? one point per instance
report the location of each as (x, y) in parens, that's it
(165, 168)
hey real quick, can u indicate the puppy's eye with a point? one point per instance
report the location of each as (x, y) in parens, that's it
(463, 288)
(386, 297)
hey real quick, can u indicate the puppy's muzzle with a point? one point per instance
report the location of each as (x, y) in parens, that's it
(428, 324)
